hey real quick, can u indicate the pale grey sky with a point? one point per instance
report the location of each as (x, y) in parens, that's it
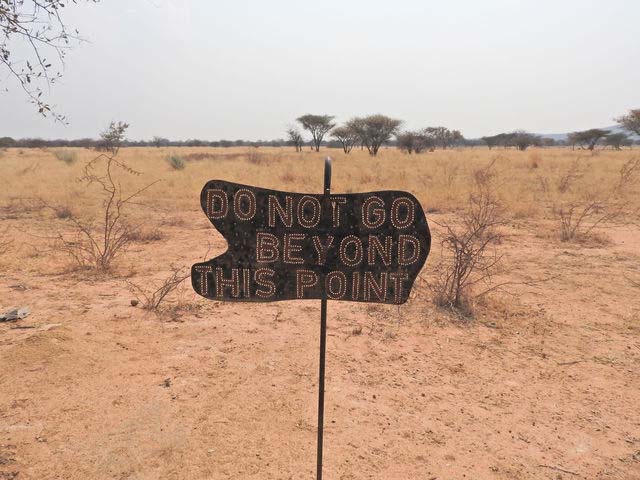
(246, 68)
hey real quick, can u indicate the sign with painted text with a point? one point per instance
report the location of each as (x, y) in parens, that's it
(363, 247)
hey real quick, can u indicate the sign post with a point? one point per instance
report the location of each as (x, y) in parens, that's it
(323, 333)
(360, 247)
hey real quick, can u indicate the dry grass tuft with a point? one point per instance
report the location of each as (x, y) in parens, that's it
(530, 186)
(17, 207)
(63, 212)
(469, 258)
(288, 177)
(535, 160)
(5, 244)
(67, 156)
(256, 158)
(152, 299)
(29, 169)
(584, 205)
(175, 161)
(198, 156)
(145, 234)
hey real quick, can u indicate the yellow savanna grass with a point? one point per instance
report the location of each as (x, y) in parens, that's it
(527, 181)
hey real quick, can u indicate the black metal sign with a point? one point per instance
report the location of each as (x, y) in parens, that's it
(364, 247)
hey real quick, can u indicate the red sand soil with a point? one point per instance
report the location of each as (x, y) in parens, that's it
(543, 385)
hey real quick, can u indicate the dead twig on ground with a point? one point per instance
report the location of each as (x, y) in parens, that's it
(633, 282)
(5, 244)
(559, 469)
(152, 299)
(565, 364)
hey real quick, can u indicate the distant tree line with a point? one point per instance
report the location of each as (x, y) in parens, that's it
(429, 139)
(8, 142)
(585, 139)
(518, 139)
(371, 133)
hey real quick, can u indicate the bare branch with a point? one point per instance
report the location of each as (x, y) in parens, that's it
(97, 244)
(152, 299)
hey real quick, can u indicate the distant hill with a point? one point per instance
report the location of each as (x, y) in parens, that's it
(612, 129)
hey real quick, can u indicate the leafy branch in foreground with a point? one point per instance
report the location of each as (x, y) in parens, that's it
(39, 25)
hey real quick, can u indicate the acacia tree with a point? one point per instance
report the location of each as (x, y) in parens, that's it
(406, 141)
(587, 138)
(443, 137)
(491, 141)
(505, 140)
(346, 136)
(456, 138)
(523, 140)
(440, 136)
(160, 141)
(617, 140)
(519, 139)
(6, 142)
(630, 121)
(113, 138)
(318, 126)
(39, 25)
(374, 130)
(295, 138)
(414, 141)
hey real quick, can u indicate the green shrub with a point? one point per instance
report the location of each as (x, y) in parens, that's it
(67, 156)
(176, 161)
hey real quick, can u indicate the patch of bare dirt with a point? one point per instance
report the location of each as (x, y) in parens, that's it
(542, 384)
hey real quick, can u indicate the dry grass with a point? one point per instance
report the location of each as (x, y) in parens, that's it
(95, 241)
(175, 161)
(5, 244)
(441, 180)
(65, 155)
(529, 184)
(469, 258)
(146, 234)
(581, 204)
(564, 349)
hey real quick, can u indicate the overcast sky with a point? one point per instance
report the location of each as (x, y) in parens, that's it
(247, 68)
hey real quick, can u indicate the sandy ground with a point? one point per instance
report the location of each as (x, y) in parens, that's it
(544, 385)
